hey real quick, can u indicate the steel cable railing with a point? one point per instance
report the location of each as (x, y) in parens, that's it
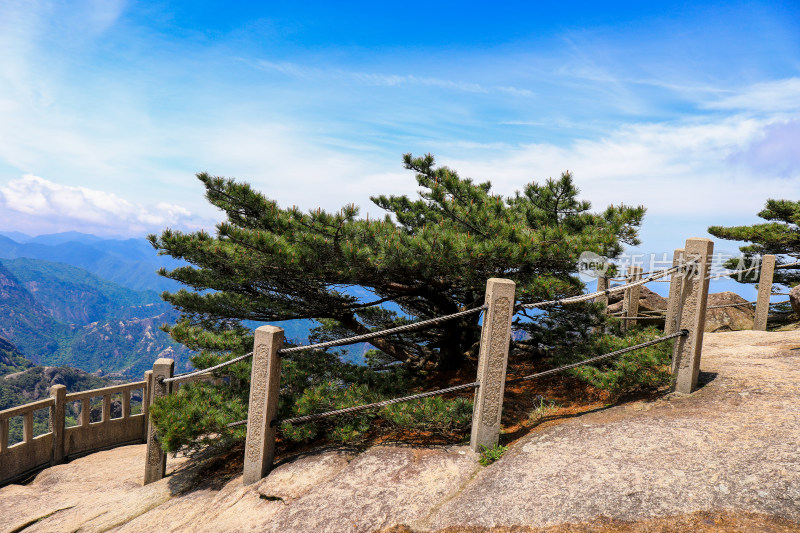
(429, 322)
(328, 344)
(466, 386)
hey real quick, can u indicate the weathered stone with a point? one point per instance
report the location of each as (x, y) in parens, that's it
(675, 288)
(794, 299)
(95, 493)
(688, 349)
(648, 301)
(731, 445)
(156, 459)
(728, 318)
(265, 384)
(765, 275)
(492, 362)
(630, 301)
(603, 283)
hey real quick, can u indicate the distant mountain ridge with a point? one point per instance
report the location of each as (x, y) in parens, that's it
(87, 281)
(57, 314)
(132, 263)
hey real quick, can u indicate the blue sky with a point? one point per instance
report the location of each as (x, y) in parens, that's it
(108, 108)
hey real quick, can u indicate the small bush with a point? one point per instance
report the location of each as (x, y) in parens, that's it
(434, 414)
(541, 407)
(490, 455)
(647, 368)
(197, 415)
(331, 396)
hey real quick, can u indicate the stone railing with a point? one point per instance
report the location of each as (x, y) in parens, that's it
(62, 443)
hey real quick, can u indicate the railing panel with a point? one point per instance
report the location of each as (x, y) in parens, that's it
(94, 393)
(23, 450)
(80, 439)
(22, 409)
(26, 456)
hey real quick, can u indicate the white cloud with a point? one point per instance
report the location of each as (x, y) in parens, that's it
(54, 207)
(772, 96)
(673, 169)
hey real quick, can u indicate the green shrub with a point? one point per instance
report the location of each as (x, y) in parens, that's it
(433, 414)
(197, 415)
(646, 368)
(490, 455)
(331, 396)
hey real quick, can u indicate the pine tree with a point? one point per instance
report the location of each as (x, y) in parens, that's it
(780, 236)
(429, 257)
(272, 264)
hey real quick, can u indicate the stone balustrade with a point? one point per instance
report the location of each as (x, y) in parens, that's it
(61, 443)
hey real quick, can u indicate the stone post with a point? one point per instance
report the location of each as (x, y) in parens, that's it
(265, 383)
(764, 292)
(106, 408)
(602, 284)
(673, 305)
(3, 434)
(630, 302)
(126, 404)
(86, 412)
(156, 461)
(492, 362)
(148, 387)
(57, 412)
(693, 300)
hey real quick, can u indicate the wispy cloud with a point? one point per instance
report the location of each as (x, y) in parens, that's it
(388, 80)
(772, 96)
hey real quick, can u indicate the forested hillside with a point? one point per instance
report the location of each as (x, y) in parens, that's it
(11, 359)
(61, 315)
(21, 382)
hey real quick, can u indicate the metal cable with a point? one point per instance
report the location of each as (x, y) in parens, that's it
(338, 342)
(355, 408)
(590, 296)
(729, 305)
(181, 377)
(681, 333)
(374, 334)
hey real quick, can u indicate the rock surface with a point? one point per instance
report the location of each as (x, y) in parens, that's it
(729, 318)
(730, 447)
(721, 319)
(648, 301)
(794, 299)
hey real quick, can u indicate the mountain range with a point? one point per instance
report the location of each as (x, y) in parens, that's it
(131, 263)
(79, 300)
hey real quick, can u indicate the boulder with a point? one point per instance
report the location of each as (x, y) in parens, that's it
(794, 299)
(648, 301)
(729, 318)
